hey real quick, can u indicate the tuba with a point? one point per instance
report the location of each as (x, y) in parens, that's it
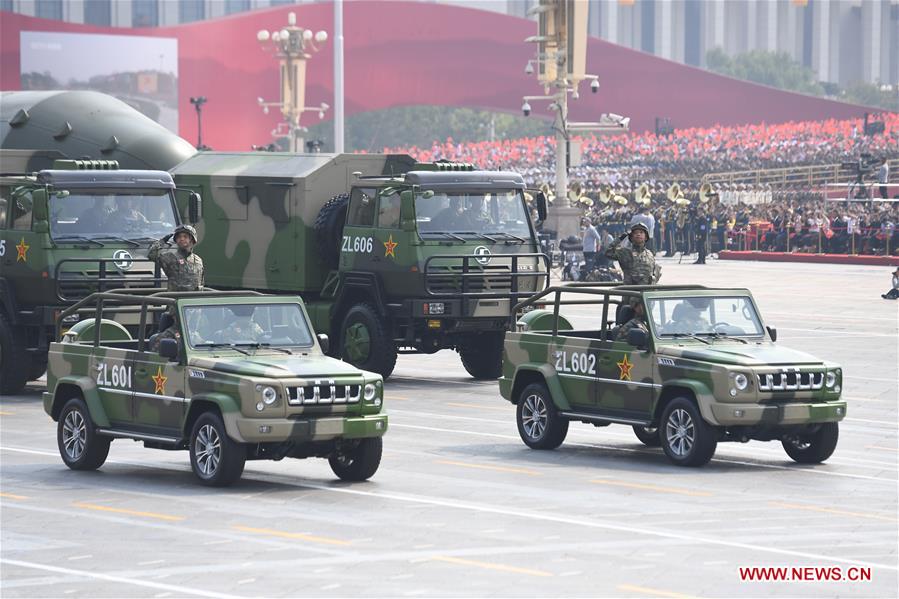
(605, 194)
(706, 193)
(548, 193)
(674, 192)
(620, 200)
(642, 196)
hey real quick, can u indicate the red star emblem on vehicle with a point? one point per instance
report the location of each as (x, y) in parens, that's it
(624, 366)
(159, 380)
(390, 247)
(22, 251)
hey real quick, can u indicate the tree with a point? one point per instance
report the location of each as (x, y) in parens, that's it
(775, 69)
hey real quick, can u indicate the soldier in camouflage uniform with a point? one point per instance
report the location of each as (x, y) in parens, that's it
(180, 264)
(637, 262)
(243, 329)
(637, 322)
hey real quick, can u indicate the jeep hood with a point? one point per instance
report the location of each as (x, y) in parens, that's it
(278, 366)
(718, 352)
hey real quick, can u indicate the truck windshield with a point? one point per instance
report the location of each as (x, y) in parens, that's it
(476, 213)
(246, 325)
(99, 214)
(704, 316)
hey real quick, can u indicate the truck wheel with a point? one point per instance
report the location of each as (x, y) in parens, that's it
(80, 447)
(328, 229)
(15, 363)
(686, 438)
(482, 356)
(364, 341)
(215, 458)
(648, 435)
(815, 447)
(358, 461)
(539, 423)
(37, 368)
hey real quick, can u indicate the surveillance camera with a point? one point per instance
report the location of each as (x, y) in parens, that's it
(529, 68)
(594, 86)
(615, 117)
(623, 123)
(526, 109)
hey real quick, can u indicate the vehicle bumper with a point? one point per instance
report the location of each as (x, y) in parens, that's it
(505, 388)
(777, 415)
(47, 397)
(277, 430)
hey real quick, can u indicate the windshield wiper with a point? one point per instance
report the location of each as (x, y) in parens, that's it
(691, 335)
(481, 235)
(121, 240)
(265, 346)
(228, 345)
(450, 235)
(78, 238)
(515, 237)
(718, 335)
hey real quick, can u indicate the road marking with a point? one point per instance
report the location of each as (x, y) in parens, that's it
(3, 413)
(490, 566)
(78, 557)
(479, 407)
(291, 535)
(826, 510)
(120, 579)
(494, 468)
(118, 510)
(866, 421)
(630, 588)
(620, 483)
(397, 398)
(152, 562)
(11, 496)
(883, 448)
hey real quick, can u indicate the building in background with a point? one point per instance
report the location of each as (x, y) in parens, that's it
(843, 41)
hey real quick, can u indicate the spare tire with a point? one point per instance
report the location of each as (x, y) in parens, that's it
(328, 229)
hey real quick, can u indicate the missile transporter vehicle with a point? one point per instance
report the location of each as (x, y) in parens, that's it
(390, 255)
(702, 369)
(231, 376)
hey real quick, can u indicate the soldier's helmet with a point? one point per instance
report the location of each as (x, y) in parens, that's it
(186, 229)
(640, 226)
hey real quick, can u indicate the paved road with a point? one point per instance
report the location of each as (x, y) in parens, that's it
(461, 507)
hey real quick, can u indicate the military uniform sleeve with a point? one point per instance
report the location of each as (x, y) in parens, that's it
(156, 249)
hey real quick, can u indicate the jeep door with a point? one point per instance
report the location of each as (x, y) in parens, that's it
(113, 369)
(625, 380)
(576, 360)
(160, 401)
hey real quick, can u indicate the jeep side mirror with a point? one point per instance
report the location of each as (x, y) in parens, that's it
(772, 332)
(168, 348)
(194, 207)
(324, 342)
(637, 338)
(541, 206)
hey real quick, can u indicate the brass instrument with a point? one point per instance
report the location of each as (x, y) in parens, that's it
(674, 192)
(548, 192)
(619, 199)
(605, 194)
(706, 193)
(642, 196)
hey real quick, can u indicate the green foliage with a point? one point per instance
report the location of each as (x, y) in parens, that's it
(869, 94)
(421, 125)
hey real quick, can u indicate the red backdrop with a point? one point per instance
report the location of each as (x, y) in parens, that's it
(415, 53)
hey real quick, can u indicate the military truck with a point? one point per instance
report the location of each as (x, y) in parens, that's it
(391, 256)
(701, 369)
(232, 376)
(81, 226)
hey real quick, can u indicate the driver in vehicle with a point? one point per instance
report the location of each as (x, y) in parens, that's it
(243, 329)
(127, 214)
(688, 318)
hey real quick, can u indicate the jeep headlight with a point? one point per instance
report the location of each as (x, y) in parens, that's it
(830, 379)
(741, 381)
(370, 392)
(269, 395)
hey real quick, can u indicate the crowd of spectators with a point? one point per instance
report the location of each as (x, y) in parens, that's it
(745, 217)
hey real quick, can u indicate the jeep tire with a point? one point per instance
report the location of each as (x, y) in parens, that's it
(482, 356)
(15, 362)
(215, 458)
(539, 422)
(648, 435)
(813, 448)
(365, 342)
(328, 229)
(80, 447)
(687, 439)
(356, 461)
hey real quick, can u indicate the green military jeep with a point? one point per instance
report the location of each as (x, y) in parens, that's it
(230, 376)
(703, 369)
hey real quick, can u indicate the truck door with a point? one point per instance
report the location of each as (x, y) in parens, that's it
(391, 255)
(21, 252)
(357, 244)
(159, 393)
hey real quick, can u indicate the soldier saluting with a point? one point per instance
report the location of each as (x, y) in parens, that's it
(180, 264)
(637, 262)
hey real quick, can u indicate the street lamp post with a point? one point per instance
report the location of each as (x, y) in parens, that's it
(291, 45)
(198, 102)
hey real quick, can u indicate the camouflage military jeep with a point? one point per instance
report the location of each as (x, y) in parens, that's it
(703, 369)
(230, 376)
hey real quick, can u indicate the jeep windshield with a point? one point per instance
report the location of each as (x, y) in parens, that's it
(704, 317)
(246, 326)
(491, 215)
(114, 215)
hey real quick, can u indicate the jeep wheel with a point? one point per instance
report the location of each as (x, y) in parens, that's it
(215, 458)
(686, 438)
(328, 227)
(813, 448)
(15, 362)
(539, 423)
(357, 461)
(482, 356)
(648, 435)
(79, 444)
(365, 343)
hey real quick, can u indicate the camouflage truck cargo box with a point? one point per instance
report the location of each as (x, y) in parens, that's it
(231, 376)
(700, 368)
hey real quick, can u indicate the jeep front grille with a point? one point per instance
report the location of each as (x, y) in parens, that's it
(323, 392)
(791, 380)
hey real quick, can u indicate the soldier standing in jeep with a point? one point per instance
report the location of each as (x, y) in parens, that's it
(180, 264)
(637, 262)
